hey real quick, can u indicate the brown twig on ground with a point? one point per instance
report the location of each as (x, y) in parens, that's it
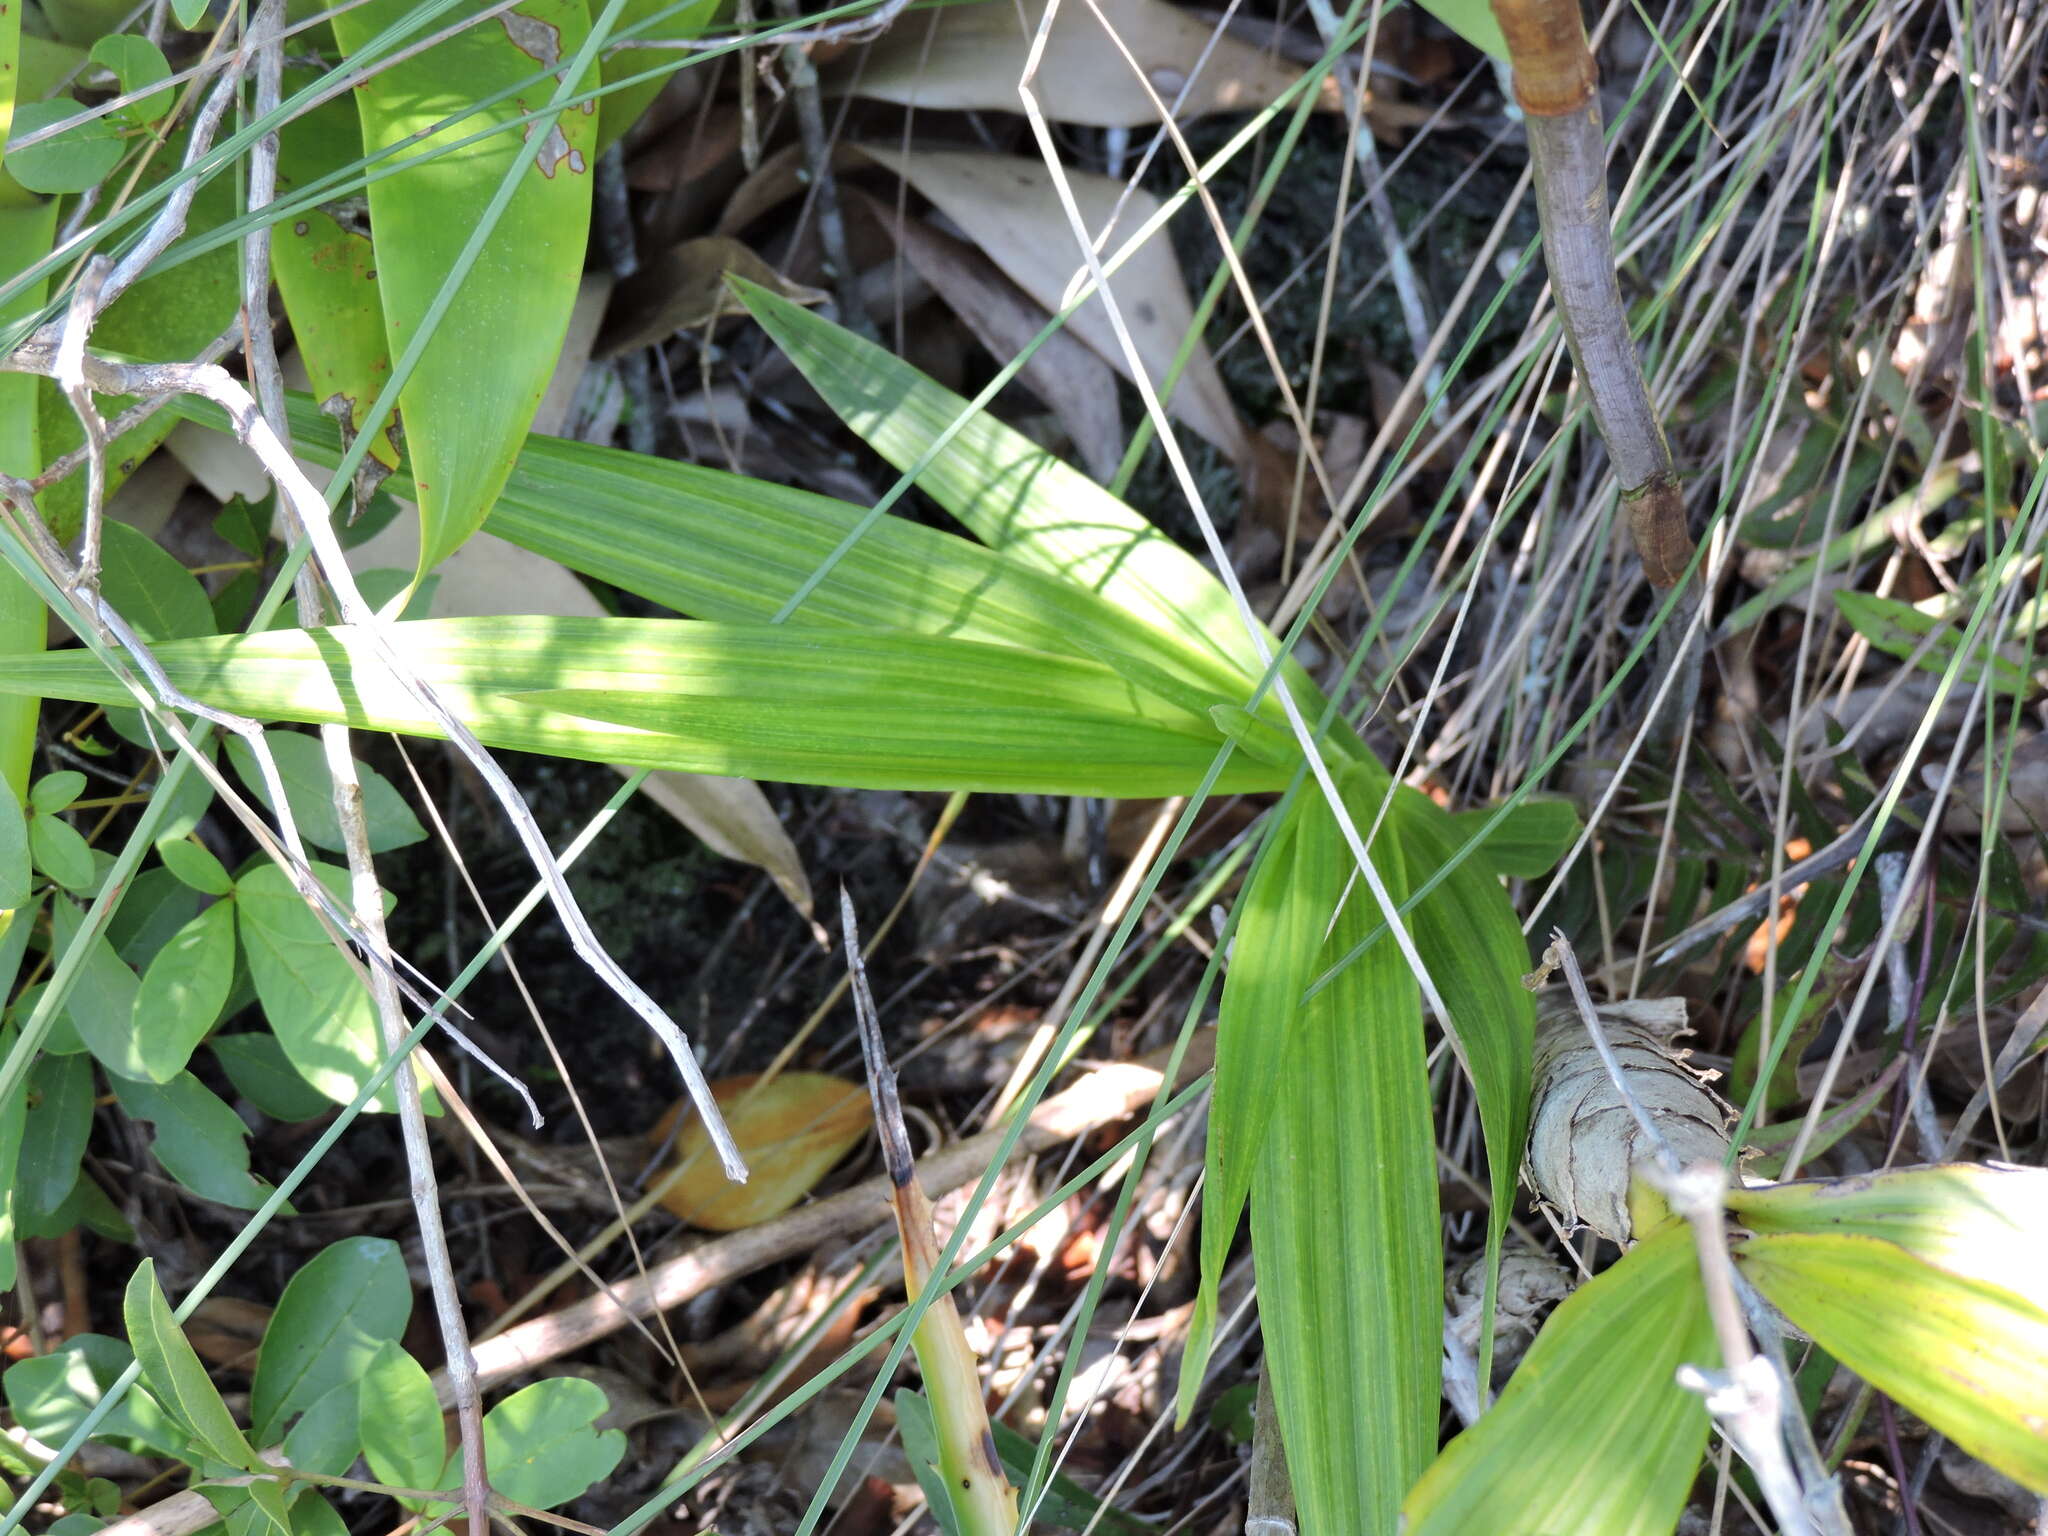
(1107, 1094)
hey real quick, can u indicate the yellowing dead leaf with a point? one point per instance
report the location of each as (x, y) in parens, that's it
(971, 57)
(790, 1130)
(1009, 207)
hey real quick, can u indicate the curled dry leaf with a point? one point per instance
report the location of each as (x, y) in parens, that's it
(1584, 1142)
(1530, 1285)
(1009, 207)
(791, 1130)
(971, 57)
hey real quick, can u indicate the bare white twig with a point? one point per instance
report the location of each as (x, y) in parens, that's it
(412, 1121)
(264, 38)
(1751, 1397)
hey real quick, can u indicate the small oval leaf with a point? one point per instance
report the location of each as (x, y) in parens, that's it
(183, 992)
(341, 1308)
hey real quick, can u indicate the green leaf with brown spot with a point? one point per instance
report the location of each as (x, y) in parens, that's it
(469, 403)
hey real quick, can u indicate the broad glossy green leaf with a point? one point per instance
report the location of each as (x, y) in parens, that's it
(13, 1121)
(327, 272)
(10, 80)
(58, 1126)
(172, 1372)
(315, 1002)
(468, 405)
(309, 789)
(1967, 1355)
(337, 1313)
(759, 701)
(26, 232)
(1344, 1234)
(401, 1423)
(201, 1142)
(1592, 1435)
(1977, 1220)
(647, 20)
(50, 1395)
(183, 991)
(1014, 495)
(261, 1072)
(1472, 20)
(626, 519)
(167, 317)
(1528, 842)
(542, 1444)
(1283, 916)
(17, 924)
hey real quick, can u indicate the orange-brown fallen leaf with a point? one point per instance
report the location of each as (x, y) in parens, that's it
(791, 1131)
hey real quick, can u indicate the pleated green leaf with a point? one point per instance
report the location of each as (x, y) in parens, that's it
(1283, 916)
(1928, 1283)
(1592, 1435)
(1529, 840)
(810, 706)
(1469, 938)
(469, 403)
(721, 546)
(1014, 495)
(1345, 1236)
(1982, 1221)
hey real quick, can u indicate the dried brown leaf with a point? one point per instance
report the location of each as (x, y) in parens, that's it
(1070, 378)
(1584, 1142)
(1010, 207)
(684, 289)
(971, 57)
